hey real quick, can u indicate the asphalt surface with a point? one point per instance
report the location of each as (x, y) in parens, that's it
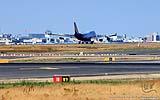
(12, 71)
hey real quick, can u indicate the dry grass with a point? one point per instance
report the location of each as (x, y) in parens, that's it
(141, 90)
(78, 47)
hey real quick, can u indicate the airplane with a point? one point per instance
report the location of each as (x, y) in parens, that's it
(84, 38)
(114, 38)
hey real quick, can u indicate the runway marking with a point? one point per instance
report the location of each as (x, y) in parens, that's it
(40, 68)
(47, 68)
(69, 67)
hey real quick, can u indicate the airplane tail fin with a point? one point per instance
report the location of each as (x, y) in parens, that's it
(108, 38)
(75, 28)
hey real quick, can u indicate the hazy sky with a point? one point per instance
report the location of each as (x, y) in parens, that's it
(134, 17)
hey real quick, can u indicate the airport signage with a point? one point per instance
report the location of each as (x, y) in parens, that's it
(60, 79)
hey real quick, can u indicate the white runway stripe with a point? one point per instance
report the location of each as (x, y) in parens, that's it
(40, 68)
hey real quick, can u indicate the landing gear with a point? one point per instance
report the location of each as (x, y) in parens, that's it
(83, 42)
(92, 42)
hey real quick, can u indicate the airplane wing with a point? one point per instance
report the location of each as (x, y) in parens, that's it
(91, 34)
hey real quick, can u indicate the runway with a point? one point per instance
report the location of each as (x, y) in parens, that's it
(11, 71)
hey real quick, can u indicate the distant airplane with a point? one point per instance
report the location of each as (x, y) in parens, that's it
(113, 38)
(86, 37)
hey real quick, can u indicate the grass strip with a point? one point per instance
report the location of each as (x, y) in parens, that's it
(42, 84)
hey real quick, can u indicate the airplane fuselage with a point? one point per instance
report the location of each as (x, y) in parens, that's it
(83, 37)
(87, 37)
